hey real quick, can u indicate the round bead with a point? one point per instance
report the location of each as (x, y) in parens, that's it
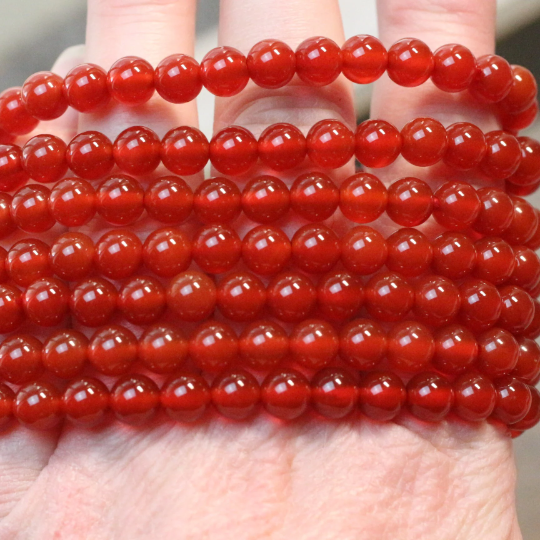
(340, 295)
(466, 146)
(12, 173)
(65, 353)
(167, 252)
(233, 150)
(45, 302)
(118, 254)
(377, 143)
(43, 158)
(131, 80)
(14, 118)
(72, 255)
(522, 92)
(493, 79)
(142, 300)
(224, 71)
(533, 330)
(474, 397)
(517, 309)
(177, 78)
(514, 399)
(480, 304)
(454, 68)
(191, 296)
(137, 150)
(381, 394)
(285, 394)
(518, 121)
(20, 358)
(43, 97)
(362, 344)
(85, 88)
(38, 406)
(410, 202)
(456, 349)
(330, 144)
(410, 346)
(315, 248)
(533, 416)
(429, 397)
(436, 300)
(217, 200)
(457, 205)
(494, 260)
(527, 368)
(318, 61)
(271, 64)
(185, 397)
(30, 210)
(265, 199)
(291, 296)
(3, 271)
(241, 296)
(363, 198)
(524, 222)
(7, 397)
(235, 394)
(185, 150)
(112, 350)
(72, 202)
(7, 223)
(496, 212)
(533, 243)
(313, 343)
(85, 401)
(333, 392)
(168, 200)
(409, 252)
(528, 172)
(410, 62)
(424, 142)
(314, 196)
(526, 268)
(282, 147)
(216, 248)
(388, 297)
(364, 59)
(266, 250)
(498, 352)
(27, 261)
(120, 200)
(93, 301)
(503, 155)
(263, 344)
(11, 311)
(363, 250)
(162, 348)
(135, 399)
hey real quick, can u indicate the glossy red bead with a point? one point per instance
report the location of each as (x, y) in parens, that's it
(85, 88)
(362, 344)
(382, 394)
(141, 300)
(130, 80)
(533, 243)
(533, 416)
(233, 150)
(118, 254)
(424, 141)
(503, 155)
(364, 59)
(266, 250)
(43, 97)
(72, 256)
(27, 261)
(466, 146)
(20, 358)
(191, 296)
(7, 397)
(494, 260)
(496, 212)
(177, 78)
(533, 330)
(498, 352)
(168, 200)
(493, 79)
(436, 300)
(185, 397)
(7, 223)
(334, 392)
(263, 344)
(135, 399)
(318, 61)
(456, 349)
(518, 121)
(291, 296)
(30, 210)
(330, 144)
(93, 301)
(526, 268)
(454, 68)
(514, 399)
(235, 394)
(409, 252)
(410, 347)
(522, 93)
(285, 394)
(241, 296)
(163, 348)
(72, 202)
(388, 297)
(3, 271)
(410, 202)
(429, 397)
(43, 158)
(85, 401)
(167, 252)
(217, 200)
(11, 311)
(314, 196)
(377, 143)
(112, 350)
(136, 150)
(528, 172)
(313, 343)
(282, 146)
(184, 150)
(517, 309)
(265, 199)
(12, 173)
(457, 205)
(474, 397)
(14, 118)
(315, 248)
(340, 295)
(523, 224)
(362, 198)
(120, 200)
(65, 353)
(37, 405)
(216, 248)
(224, 71)
(271, 64)
(410, 62)
(45, 302)
(363, 250)
(480, 304)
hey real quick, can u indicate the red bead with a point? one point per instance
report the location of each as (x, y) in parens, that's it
(12, 174)
(526, 268)
(517, 309)
(43, 158)
(265, 199)
(7, 397)
(27, 261)
(474, 397)
(436, 300)
(524, 222)
(185, 397)
(20, 358)
(291, 297)
(528, 364)
(30, 210)
(519, 121)
(318, 61)
(388, 297)
(409, 252)
(528, 172)
(429, 397)
(533, 416)
(3, 271)
(65, 353)
(120, 200)
(282, 147)
(72, 202)
(85, 88)
(457, 205)
(162, 348)
(14, 118)
(85, 401)
(363, 198)
(410, 347)
(112, 350)
(494, 260)
(177, 78)
(522, 93)
(498, 352)
(340, 295)
(502, 157)
(466, 146)
(45, 302)
(456, 349)
(315, 248)
(216, 248)
(43, 97)
(285, 394)
(184, 150)
(454, 68)
(314, 196)
(135, 399)
(224, 71)
(330, 144)
(313, 343)
(236, 394)
(533, 243)
(217, 200)
(233, 150)
(7, 224)
(142, 300)
(333, 392)
(493, 79)
(241, 296)
(382, 394)
(271, 64)
(118, 254)
(410, 202)
(364, 59)
(424, 142)
(72, 256)
(533, 330)
(38, 406)
(362, 344)
(93, 301)
(520, 191)
(131, 80)
(266, 250)
(480, 304)
(167, 252)
(410, 62)
(377, 143)
(168, 200)
(263, 344)
(496, 212)
(191, 296)
(363, 250)
(11, 312)
(137, 150)
(514, 399)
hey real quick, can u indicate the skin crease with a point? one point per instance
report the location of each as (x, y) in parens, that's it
(352, 479)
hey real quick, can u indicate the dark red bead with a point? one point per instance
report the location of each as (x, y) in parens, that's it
(410, 62)
(236, 394)
(533, 330)
(120, 199)
(163, 348)
(498, 352)
(112, 350)
(363, 250)
(7, 397)
(377, 143)
(340, 295)
(20, 358)
(43, 97)
(493, 79)
(177, 78)
(364, 59)
(457, 205)
(429, 397)
(168, 200)
(118, 254)
(454, 68)
(533, 415)
(265, 199)
(523, 224)
(424, 142)
(3, 271)
(167, 252)
(456, 349)
(12, 173)
(517, 309)
(263, 344)
(217, 200)
(72, 256)
(45, 302)
(522, 92)
(14, 118)
(330, 144)
(409, 252)
(466, 146)
(191, 296)
(266, 250)
(362, 344)
(271, 64)
(291, 296)
(282, 147)
(38, 406)
(315, 248)
(184, 150)
(85, 88)
(135, 399)
(410, 202)
(514, 399)
(533, 243)
(382, 394)
(241, 296)
(313, 343)
(72, 202)
(27, 261)
(480, 304)
(518, 121)
(363, 198)
(318, 61)
(496, 212)
(131, 80)
(65, 353)
(233, 150)
(30, 209)
(494, 260)
(526, 268)
(388, 296)
(185, 397)
(216, 249)
(136, 150)
(410, 347)
(502, 157)
(314, 196)
(7, 224)
(285, 394)
(333, 392)
(85, 401)
(474, 397)
(142, 300)
(93, 301)
(436, 300)
(528, 172)
(43, 158)
(224, 71)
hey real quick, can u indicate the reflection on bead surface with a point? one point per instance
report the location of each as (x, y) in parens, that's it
(318, 61)
(494, 260)
(45, 302)
(410, 346)
(339, 295)
(177, 78)
(502, 157)
(474, 397)
(235, 394)
(241, 296)
(43, 158)
(330, 144)
(514, 399)
(168, 200)
(315, 248)
(216, 248)
(7, 223)
(184, 150)
(363, 198)
(224, 71)
(90, 155)
(233, 150)
(528, 363)
(20, 358)
(409, 252)
(14, 118)
(191, 296)
(454, 67)
(528, 172)
(11, 311)
(291, 296)
(217, 200)
(72, 202)
(131, 80)
(118, 254)
(313, 343)
(214, 346)
(314, 196)
(522, 92)
(30, 210)
(436, 300)
(120, 200)
(266, 250)
(263, 344)
(454, 255)
(517, 309)
(271, 64)
(377, 143)
(456, 205)
(166, 252)
(388, 296)
(495, 213)
(135, 399)
(85, 401)
(362, 343)
(185, 397)
(410, 202)
(533, 416)
(424, 141)
(363, 250)
(429, 397)
(466, 146)
(523, 224)
(142, 300)
(282, 146)
(456, 349)
(93, 301)
(163, 348)
(381, 395)
(480, 304)
(27, 261)
(37, 406)
(265, 199)
(498, 352)
(71, 256)
(85, 88)
(136, 150)
(285, 394)
(12, 174)
(333, 392)
(364, 59)
(65, 353)
(526, 272)
(410, 62)
(492, 80)
(7, 397)
(112, 350)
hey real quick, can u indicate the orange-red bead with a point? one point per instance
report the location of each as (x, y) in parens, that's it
(265, 199)
(184, 150)
(456, 349)
(135, 399)
(382, 394)
(72, 202)
(241, 296)
(85, 88)
(410, 62)
(142, 300)
(364, 59)
(363, 250)
(285, 394)
(457, 205)
(37, 405)
(271, 64)
(362, 343)
(409, 252)
(72, 256)
(333, 392)
(65, 353)
(429, 397)
(291, 296)
(424, 141)
(388, 296)
(454, 255)
(474, 397)
(263, 344)
(340, 295)
(90, 155)
(224, 71)
(330, 144)
(217, 200)
(235, 394)
(136, 150)
(266, 250)
(362, 198)
(314, 196)
(45, 302)
(185, 397)
(43, 158)
(282, 146)
(177, 78)
(20, 358)
(167, 252)
(168, 200)
(216, 248)
(112, 350)
(498, 352)
(454, 68)
(85, 401)
(233, 150)
(410, 347)
(191, 296)
(315, 248)
(93, 301)
(163, 348)
(410, 202)
(318, 61)
(377, 143)
(313, 343)
(118, 254)
(130, 80)
(436, 300)
(120, 200)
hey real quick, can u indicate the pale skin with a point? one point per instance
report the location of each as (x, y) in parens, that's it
(352, 479)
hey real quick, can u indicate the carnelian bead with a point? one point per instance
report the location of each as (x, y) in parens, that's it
(7, 223)
(285, 394)
(498, 352)
(72, 202)
(43, 97)
(14, 118)
(527, 368)
(429, 396)
(163, 348)
(424, 141)
(112, 350)
(315, 248)
(522, 92)
(166, 252)
(130, 80)
(410, 346)
(118, 254)
(38, 406)
(410, 62)
(142, 300)
(271, 64)
(85, 88)
(377, 143)
(136, 150)
(533, 243)
(168, 200)
(340, 295)
(11, 312)
(362, 343)
(224, 71)
(474, 397)
(7, 397)
(177, 78)
(93, 301)
(523, 224)
(291, 296)
(313, 343)
(30, 210)
(494, 260)
(520, 191)
(185, 150)
(454, 68)
(185, 397)
(72, 256)
(135, 399)
(436, 300)
(456, 349)
(466, 146)
(330, 144)
(493, 79)
(263, 344)
(120, 200)
(233, 150)
(191, 296)
(517, 309)
(364, 59)
(480, 304)
(12, 173)
(235, 394)
(45, 302)
(528, 172)
(265, 199)
(388, 297)
(282, 146)
(533, 416)
(314, 196)
(318, 61)
(363, 250)
(241, 296)
(65, 353)
(20, 358)
(266, 250)
(27, 261)
(533, 330)
(362, 198)
(333, 392)
(43, 158)
(217, 200)
(410, 202)
(514, 399)
(496, 212)
(457, 205)
(216, 248)
(85, 401)
(3, 271)
(526, 268)
(502, 157)
(409, 252)
(518, 121)
(381, 395)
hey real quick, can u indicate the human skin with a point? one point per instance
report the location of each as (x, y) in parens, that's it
(352, 479)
